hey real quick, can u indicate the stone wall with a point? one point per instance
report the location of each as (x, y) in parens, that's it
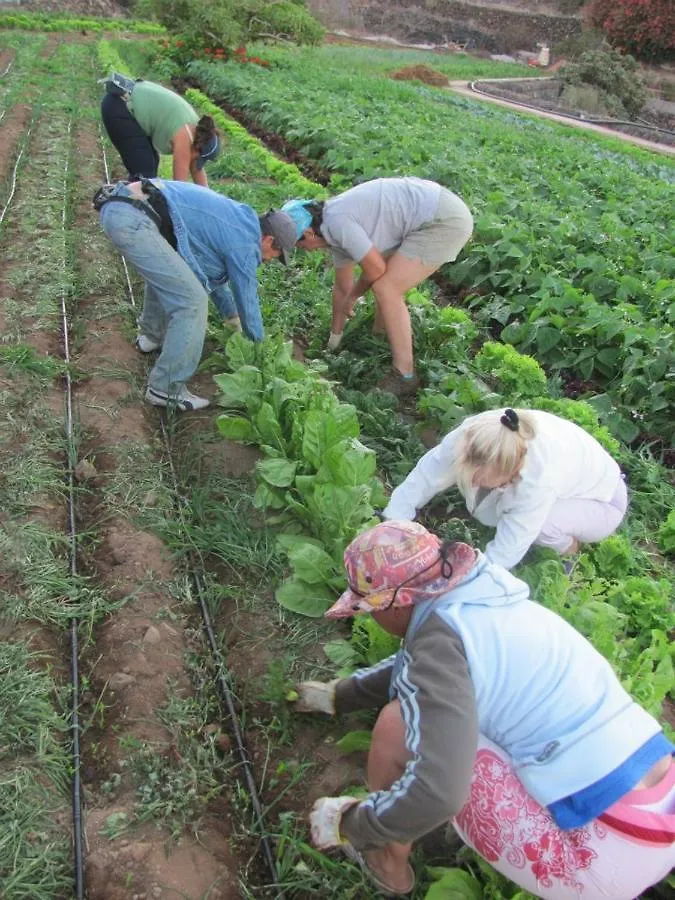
(493, 26)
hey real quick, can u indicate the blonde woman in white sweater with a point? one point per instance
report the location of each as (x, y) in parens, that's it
(537, 478)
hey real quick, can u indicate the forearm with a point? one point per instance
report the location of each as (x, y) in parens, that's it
(440, 722)
(363, 285)
(339, 317)
(366, 689)
(180, 168)
(199, 177)
(432, 475)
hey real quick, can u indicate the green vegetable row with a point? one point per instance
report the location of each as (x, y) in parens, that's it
(571, 253)
(46, 22)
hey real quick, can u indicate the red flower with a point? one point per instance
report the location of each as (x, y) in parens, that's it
(207, 49)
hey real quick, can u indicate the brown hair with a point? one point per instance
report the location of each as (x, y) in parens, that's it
(205, 130)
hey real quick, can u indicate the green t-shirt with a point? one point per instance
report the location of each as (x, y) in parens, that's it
(160, 113)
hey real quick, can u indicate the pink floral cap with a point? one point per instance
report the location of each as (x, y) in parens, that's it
(390, 565)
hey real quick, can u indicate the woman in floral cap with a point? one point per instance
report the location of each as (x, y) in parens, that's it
(500, 717)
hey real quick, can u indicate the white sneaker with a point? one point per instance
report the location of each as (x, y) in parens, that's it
(146, 344)
(183, 400)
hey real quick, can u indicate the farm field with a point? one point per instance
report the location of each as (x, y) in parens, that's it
(118, 522)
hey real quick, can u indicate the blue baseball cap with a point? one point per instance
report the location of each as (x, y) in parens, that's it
(302, 217)
(209, 151)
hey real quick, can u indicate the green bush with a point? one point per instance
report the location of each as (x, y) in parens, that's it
(227, 23)
(285, 19)
(517, 377)
(613, 74)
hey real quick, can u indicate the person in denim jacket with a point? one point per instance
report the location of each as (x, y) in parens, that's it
(189, 242)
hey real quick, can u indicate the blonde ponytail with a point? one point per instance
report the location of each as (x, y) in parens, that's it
(495, 441)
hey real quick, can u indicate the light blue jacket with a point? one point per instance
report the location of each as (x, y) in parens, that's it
(219, 239)
(543, 693)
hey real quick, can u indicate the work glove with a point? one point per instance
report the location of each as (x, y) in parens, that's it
(325, 819)
(316, 696)
(349, 311)
(334, 341)
(233, 322)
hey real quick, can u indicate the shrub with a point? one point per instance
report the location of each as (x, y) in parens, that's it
(517, 377)
(645, 28)
(287, 20)
(228, 23)
(613, 74)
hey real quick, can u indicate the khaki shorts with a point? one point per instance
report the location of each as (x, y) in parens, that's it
(440, 240)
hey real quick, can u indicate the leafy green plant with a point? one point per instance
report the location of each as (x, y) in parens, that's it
(614, 74)
(228, 23)
(316, 476)
(667, 533)
(453, 884)
(46, 22)
(514, 375)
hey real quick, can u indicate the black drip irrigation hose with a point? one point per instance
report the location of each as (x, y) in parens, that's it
(72, 541)
(223, 675)
(570, 116)
(223, 680)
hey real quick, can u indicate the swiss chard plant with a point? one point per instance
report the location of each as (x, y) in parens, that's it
(317, 481)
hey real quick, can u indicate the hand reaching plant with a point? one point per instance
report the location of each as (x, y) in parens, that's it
(314, 696)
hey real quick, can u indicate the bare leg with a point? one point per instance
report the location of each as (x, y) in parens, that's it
(386, 762)
(402, 274)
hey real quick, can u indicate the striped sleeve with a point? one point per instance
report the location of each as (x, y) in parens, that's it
(441, 737)
(366, 688)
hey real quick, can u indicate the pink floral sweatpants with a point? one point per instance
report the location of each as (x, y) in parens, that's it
(618, 855)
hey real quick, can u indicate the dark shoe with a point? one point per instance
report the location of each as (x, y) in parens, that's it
(399, 385)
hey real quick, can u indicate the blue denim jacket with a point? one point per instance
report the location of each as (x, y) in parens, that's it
(219, 239)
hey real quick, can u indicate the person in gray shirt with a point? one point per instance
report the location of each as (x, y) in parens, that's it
(399, 231)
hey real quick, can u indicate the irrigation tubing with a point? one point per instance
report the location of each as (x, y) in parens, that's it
(17, 161)
(224, 688)
(573, 118)
(195, 585)
(72, 541)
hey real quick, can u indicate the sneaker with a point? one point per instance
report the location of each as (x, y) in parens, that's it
(183, 400)
(146, 344)
(399, 385)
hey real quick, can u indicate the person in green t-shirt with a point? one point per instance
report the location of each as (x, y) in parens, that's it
(144, 119)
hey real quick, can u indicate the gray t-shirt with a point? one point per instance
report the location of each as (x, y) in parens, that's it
(380, 213)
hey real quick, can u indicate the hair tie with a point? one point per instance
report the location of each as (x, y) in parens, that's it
(446, 565)
(510, 419)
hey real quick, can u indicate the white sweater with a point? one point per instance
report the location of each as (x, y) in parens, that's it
(562, 462)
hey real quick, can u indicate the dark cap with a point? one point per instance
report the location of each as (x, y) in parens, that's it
(281, 227)
(209, 151)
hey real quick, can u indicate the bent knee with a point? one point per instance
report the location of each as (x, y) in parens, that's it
(390, 727)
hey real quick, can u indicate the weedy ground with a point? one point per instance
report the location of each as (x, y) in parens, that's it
(166, 814)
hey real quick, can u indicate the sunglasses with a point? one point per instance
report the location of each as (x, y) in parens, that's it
(446, 571)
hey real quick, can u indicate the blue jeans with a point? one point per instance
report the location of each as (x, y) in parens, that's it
(176, 304)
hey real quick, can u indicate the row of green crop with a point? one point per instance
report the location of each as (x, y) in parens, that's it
(464, 382)
(318, 482)
(39, 596)
(496, 375)
(571, 253)
(35, 21)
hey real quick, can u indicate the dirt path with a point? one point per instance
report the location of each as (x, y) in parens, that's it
(463, 88)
